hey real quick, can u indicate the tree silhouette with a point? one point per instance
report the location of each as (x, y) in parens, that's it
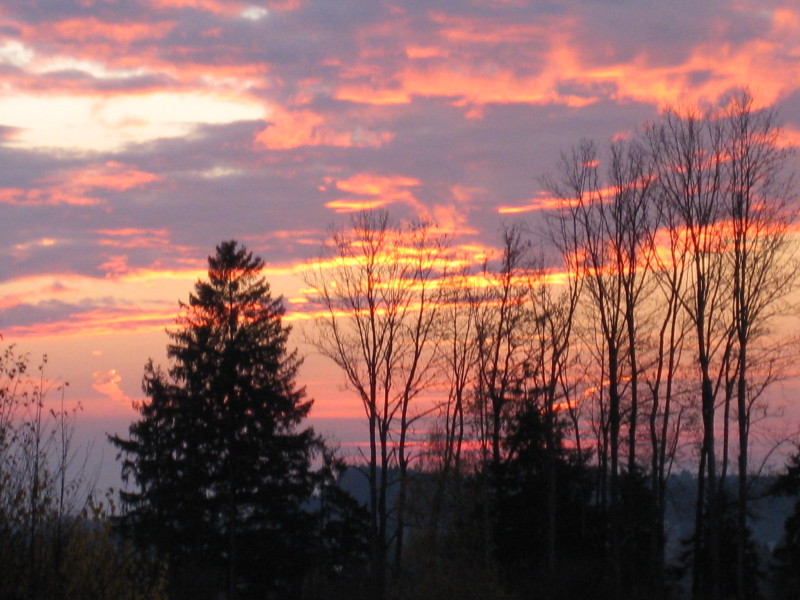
(786, 556)
(379, 305)
(222, 466)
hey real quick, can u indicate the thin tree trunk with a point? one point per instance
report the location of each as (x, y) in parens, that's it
(743, 418)
(614, 415)
(698, 572)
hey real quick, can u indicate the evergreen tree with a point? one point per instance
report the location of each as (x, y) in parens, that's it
(520, 512)
(222, 466)
(786, 557)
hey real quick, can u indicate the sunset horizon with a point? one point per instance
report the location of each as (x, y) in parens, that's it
(138, 137)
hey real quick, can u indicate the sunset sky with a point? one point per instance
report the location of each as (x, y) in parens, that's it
(135, 135)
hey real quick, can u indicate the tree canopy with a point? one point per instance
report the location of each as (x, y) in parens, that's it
(221, 464)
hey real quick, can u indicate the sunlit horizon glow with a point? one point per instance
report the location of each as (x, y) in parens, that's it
(136, 136)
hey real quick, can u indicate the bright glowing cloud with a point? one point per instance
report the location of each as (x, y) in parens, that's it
(218, 172)
(94, 69)
(254, 13)
(15, 53)
(110, 123)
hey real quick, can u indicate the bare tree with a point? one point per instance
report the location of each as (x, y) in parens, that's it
(689, 162)
(499, 320)
(416, 358)
(457, 358)
(458, 354)
(547, 349)
(55, 539)
(628, 229)
(611, 223)
(760, 211)
(378, 301)
(662, 370)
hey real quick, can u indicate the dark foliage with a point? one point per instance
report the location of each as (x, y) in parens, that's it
(754, 573)
(222, 468)
(521, 513)
(786, 557)
(639, 569)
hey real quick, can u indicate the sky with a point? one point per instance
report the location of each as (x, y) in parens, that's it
(135, 135)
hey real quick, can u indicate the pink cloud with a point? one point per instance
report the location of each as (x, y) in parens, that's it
(213, 6)
(108, 383)
(111, 175)
(82, 30)
(78, 187)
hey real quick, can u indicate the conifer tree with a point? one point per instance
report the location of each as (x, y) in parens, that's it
(221, 463)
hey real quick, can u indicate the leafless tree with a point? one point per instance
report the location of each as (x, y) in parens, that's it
(759, 201)
(690, 160)
(46, 490)
(458, 355)
(663, 363)
(499, 321)
(377, 298)
(611, 219)
(553, 300)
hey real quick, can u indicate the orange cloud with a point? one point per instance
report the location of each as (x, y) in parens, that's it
(423, 52)
(790, 137)
(375, 185)
(148, 275)
(130, 238)
(46, 197)
(73, 187)
(296, 128)
(468, 77)
(237, 78)
(344, 206)
(11, 301)
(100, 322)
(467, 84)
(368, 191)
(293, 129)
(479, 31)
(785, 21)
(97, 322)
(130, 231)
(545, 202)
(538, 203)
(115, 266)
(455, 65)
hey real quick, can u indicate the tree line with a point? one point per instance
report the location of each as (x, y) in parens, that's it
(650, 334)
(524, 408)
